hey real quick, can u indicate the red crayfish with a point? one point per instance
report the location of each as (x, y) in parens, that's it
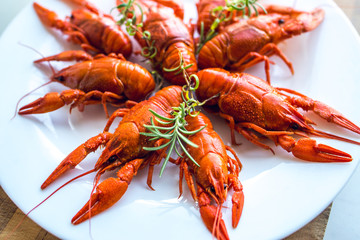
(251, 106)
(123, 148)
(246, 43)
(169, 36)
(216, 174)
(102, 79)
(94, 31)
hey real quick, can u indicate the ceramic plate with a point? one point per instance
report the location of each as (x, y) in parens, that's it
(282, 193)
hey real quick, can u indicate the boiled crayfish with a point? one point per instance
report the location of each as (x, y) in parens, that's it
(96, 32)
(251, 105)
(123, 148)
(167, 35)
(216, 175)
(246, 43)
(102, 79)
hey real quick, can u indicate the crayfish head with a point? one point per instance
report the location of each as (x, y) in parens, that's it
(78, 16)
(123, 146)
(72, 75)
(212, 176)
(286, 22)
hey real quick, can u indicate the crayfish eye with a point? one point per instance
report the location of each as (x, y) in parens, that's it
(225, 186)
(281, 21)
(72, 17)
(60, 78)
(294, 126)
(112, 159)
(212, 189)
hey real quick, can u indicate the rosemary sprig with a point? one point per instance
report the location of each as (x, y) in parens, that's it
(128, 17)
(224, 14)
(173, 129)
(174, 133)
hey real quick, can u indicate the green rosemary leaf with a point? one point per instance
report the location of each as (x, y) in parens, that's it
(163, 122)
(146, 35)
(261, 6)
(188, 66)
(158, 127)
(177, 152)
(121, 5)
(156, 148)
(168, 155)
(192, 132)
(141, 12)
(154, 138)
(194, 114)
(187, 141)
(188, 154)
(148, 134)
(157, 133)
(161, 117)
(171, 69)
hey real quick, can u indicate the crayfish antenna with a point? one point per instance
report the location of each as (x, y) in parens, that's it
(39, 204)
(27, 94)
(37, 88)
(332, 136)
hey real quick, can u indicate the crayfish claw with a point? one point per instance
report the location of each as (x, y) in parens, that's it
(237, 207)
(76, 156)
(47, 17)
(307, 149)
(333, 116)
(107, 194)
(212, 219)
(63, 167)
(50, 102)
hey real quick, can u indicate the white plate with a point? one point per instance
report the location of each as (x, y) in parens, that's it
(282, 193)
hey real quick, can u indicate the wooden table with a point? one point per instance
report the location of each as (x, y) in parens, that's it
(10, 215)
